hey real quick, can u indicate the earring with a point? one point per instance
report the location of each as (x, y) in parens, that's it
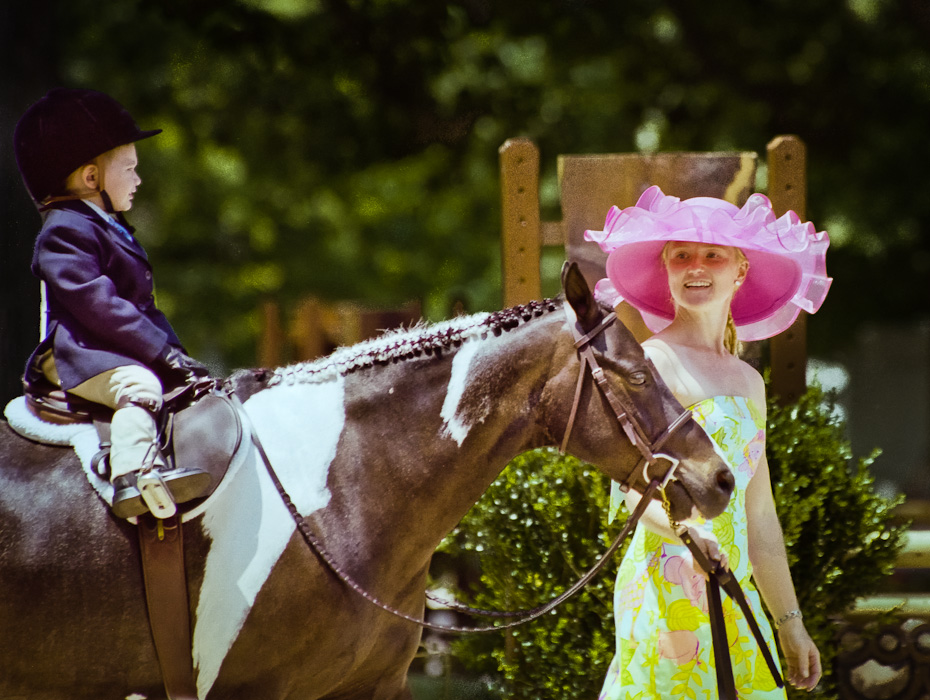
(738, 283)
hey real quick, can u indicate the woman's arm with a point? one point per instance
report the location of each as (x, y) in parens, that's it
(773, 579)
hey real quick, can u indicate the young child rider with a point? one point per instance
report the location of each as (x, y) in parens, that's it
(106, 341)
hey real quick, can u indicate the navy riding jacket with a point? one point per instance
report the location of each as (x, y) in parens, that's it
(99, 288)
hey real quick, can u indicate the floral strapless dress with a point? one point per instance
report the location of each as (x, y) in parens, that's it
(664, 647)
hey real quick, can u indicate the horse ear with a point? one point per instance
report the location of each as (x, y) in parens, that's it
(579, 296)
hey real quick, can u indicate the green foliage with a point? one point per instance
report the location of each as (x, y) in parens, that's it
(535, 531)
(348, 150)
(542, 523)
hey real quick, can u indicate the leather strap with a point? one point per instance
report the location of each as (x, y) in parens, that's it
(524, 615)
(726, 685)
(717, 578)
(628, 423)
(162, 546)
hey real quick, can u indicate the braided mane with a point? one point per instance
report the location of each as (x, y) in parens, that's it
(404, 344)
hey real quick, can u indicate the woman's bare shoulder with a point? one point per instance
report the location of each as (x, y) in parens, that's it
(755, 384)
(657, 347)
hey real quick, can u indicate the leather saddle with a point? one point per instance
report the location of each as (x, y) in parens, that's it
(198, 424)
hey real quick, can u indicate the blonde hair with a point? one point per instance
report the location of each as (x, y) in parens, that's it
(730, 340)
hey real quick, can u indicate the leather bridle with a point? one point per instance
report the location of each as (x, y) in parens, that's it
(634, 432)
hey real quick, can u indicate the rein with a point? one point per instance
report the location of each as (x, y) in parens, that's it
(525, 615)
(633, 431)
(717, 578)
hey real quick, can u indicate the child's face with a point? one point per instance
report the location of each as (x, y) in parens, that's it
(120, 179)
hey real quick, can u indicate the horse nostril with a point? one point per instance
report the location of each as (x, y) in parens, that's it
(725, 481)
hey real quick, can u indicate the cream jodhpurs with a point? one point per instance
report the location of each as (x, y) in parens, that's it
(132, 429)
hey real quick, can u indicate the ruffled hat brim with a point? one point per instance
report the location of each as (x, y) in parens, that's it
(787, 258)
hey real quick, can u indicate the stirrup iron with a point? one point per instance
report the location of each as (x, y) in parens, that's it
(156, 494)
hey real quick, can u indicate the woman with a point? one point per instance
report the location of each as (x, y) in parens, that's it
(706, 274)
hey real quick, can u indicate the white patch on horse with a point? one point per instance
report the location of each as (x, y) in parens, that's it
(299, 426)
(452, 424)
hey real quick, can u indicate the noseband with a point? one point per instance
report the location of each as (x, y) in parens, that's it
(627, 420)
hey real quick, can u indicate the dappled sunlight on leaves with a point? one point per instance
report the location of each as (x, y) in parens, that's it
(286, 9)
(224, 164)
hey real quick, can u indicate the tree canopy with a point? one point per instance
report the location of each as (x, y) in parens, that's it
(348, 148)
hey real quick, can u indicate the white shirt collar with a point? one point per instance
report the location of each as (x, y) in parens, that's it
(97, 209)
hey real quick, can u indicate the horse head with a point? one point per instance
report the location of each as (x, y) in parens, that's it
(702, 479)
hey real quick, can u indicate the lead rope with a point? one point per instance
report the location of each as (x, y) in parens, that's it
(717, 578)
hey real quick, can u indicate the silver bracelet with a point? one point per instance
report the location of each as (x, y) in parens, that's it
(791, 614)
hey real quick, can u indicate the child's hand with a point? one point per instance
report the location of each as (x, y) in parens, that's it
(184, 364)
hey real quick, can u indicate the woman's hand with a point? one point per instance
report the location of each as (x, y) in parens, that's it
(709, 545)
(801, 654)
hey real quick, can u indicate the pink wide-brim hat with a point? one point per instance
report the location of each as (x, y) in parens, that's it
(787, 258)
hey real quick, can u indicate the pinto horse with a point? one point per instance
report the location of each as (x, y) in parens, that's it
(383, 446)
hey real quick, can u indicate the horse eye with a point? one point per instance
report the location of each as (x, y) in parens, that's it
(637, 378)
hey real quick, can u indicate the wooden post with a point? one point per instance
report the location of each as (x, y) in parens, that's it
(271, 339)
(520, 237)
(308, 332)
(787, 161)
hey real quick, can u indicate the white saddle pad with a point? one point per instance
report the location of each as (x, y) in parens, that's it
(82, 437)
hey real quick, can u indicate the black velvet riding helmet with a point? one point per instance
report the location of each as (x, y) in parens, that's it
(66, 129)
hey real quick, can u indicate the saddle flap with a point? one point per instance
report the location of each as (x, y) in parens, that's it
(206, 435)
(199, 425)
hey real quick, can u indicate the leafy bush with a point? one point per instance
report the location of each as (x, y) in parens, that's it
(542, 523)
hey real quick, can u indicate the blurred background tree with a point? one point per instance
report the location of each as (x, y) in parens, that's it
(348, 148)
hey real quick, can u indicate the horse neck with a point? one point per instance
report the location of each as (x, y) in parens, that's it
(424, 439)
